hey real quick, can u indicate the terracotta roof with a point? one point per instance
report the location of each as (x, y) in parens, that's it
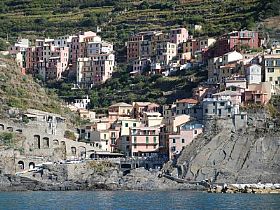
(187, 100)
(121, 104)
(227, 93)
(229, 65)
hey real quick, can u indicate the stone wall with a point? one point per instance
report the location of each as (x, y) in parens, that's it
(42, 143)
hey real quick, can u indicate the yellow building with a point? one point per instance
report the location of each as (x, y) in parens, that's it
(272, 72)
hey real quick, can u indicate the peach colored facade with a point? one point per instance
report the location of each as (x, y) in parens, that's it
(95, 70)
(47, 60)
(119, 110)
(258, 93)
(184, 137)
(57, 64)
(144, 141)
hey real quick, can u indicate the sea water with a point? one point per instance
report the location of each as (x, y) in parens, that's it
(143, 200)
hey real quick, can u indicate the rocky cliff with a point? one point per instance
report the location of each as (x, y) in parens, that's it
(226, 154)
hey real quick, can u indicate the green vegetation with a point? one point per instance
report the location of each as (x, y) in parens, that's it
(20, 91)
(70, 135)
(6, 139)
(119, 18)
(274, 107)
(122, 87)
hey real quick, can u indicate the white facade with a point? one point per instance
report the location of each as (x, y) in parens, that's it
(254, 74)
(231, 57)
(165, 51)
(99, 47)
(82, 103)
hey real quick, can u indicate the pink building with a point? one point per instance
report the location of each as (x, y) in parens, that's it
(258, 93)
(178, 35)
(57, 64)
(144, 141)
(114, 135)
(185, 135)
(133, 47)
(78, 46)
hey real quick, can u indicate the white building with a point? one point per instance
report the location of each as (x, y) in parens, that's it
(18, 51)
(99, 47)
(82, 103)
(254, 74)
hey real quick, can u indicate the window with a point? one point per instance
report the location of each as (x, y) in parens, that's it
(147, 140)
(183, 141)
(195, 131)
(174, 141)
(222, 103)
(126, 125)
(270, 70)
(229, 110)
(134, 124)
(155, 139)
(173, 149)
(135, 140)
(206, 110)
(270, 79)
(135, 146)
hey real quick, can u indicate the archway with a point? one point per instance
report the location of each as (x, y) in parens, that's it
(10, 129)
(31, 165)
(55, 142)
(19, 130)
(2, 127)
(37, 144)
(21, 165)
(82, 152)
(73, 150)
(46, 142)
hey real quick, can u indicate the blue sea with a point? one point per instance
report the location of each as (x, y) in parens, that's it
(124, 200)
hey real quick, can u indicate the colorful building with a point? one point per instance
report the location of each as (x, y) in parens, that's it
(184, 136)
(144, 141)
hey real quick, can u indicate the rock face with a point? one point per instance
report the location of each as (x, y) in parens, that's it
(224, 154)
(89, 176)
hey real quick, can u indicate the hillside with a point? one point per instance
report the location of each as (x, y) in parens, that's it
(122, 87)
(21, 91)
(120, 18)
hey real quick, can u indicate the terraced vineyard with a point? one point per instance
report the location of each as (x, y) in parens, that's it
(120, 18)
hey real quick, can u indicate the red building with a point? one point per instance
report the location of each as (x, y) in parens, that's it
(235, 41)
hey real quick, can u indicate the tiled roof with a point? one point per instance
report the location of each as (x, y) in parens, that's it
(187, 100)
(227, 93)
